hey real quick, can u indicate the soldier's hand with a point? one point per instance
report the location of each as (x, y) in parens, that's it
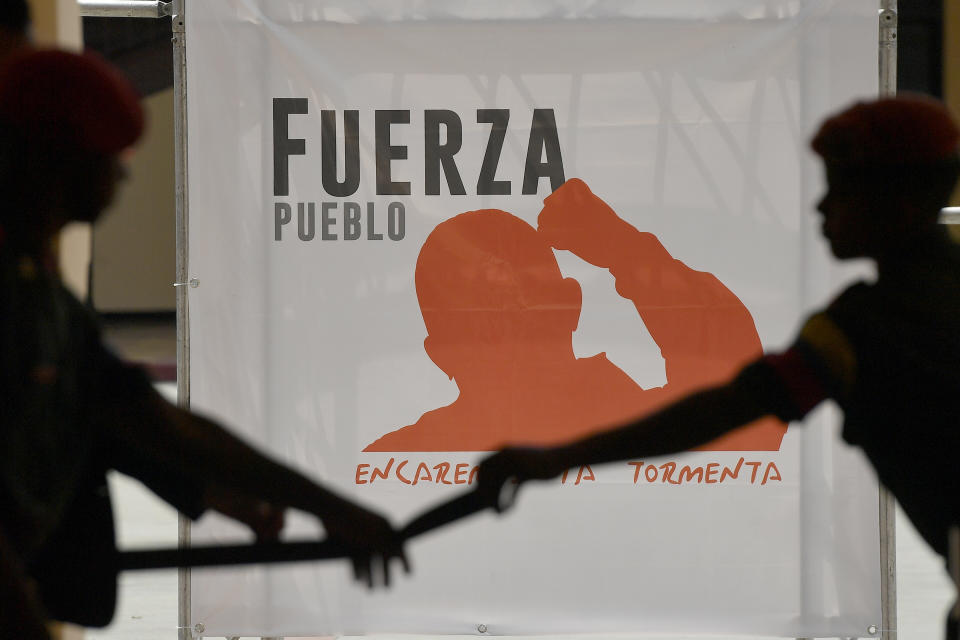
(575, 219)
(264, 519)
(374, 541)
(500, 473)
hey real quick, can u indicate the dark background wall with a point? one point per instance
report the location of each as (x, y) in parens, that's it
(139, 46)
(920, 46)
(134, 245)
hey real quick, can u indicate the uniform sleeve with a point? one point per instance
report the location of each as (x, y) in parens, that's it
(821, 364)
(110, 383)
(173, 483)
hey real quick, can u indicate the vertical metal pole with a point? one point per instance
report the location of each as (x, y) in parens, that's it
(183, 307)
(953, 563)
(888, 532)
(888, 47)
(888, 565)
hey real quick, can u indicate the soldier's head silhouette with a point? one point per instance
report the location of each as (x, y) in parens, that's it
(65, 119)
(493, 297)
(891, 164)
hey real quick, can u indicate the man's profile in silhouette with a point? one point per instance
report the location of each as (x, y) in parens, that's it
(500, 318)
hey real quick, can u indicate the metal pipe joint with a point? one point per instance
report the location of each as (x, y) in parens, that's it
(125, 8)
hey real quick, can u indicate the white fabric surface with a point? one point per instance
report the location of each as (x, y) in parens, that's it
(691, 119)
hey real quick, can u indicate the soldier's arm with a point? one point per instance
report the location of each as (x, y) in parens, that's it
(232, 475)
(135, 424)
(788, 385)
(683, 425)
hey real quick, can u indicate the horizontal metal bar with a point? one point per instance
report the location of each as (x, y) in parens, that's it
(231, 555)
(125, 8)
(950, 215)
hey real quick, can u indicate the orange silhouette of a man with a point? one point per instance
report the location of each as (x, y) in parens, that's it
(500, 318)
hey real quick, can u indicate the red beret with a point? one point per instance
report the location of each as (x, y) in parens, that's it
(70, 99)
(904, 129)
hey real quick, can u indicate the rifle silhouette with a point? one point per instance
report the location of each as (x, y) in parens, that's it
(298, 551)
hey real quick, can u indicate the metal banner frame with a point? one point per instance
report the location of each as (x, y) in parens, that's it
(887, 64)
(177, 10)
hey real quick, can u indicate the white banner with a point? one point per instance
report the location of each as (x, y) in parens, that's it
(380, 302)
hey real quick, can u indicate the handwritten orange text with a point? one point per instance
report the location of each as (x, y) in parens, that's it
(414, 472)
(710, 473)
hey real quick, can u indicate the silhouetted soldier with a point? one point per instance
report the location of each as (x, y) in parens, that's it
(500, 319)
(69, 409)
(886, 352)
